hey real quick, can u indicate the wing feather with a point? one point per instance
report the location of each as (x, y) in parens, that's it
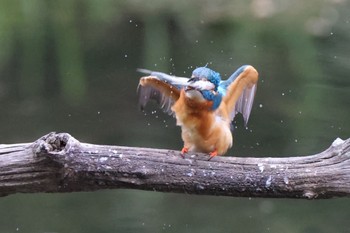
(176, 81)
(153, 88)
(239, 90)
(245, 103)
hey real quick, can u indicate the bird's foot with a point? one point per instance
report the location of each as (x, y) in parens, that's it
(213, 154)
(183, 152)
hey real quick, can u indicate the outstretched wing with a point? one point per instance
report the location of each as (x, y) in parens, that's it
(239, 90)
(161, 87)
(178, 82)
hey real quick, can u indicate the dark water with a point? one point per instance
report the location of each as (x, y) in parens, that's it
(70, 66)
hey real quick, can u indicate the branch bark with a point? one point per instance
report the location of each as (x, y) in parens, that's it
(60, 163)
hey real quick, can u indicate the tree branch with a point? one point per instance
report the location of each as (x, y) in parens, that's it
(60, 163)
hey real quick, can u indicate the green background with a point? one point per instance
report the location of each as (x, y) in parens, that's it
(70, 66)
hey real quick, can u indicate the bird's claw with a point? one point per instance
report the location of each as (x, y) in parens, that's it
(213, 154)
(183, 152)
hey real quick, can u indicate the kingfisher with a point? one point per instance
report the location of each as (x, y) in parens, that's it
(204, 105)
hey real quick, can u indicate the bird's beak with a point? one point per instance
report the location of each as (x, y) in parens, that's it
(196, 83)
(193, 79)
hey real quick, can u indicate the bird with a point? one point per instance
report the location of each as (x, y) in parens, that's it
(204, 105)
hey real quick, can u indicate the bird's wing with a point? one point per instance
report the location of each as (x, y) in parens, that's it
(178, 82)
(239, 90)
(152, 87)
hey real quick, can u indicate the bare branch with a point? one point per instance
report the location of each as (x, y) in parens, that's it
(60, 163)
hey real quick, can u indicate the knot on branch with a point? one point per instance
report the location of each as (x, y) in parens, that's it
(54, 143)
(341, 147)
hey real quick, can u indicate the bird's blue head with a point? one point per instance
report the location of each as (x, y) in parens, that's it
(209, 74)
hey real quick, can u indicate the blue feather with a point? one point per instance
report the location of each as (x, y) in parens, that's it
(224, 84)
(211, 96)
(209, 74)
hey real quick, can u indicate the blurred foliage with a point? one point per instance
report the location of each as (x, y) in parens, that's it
(70, 65)
(74, 52)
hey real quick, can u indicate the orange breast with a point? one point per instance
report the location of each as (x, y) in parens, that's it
(203, 130)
